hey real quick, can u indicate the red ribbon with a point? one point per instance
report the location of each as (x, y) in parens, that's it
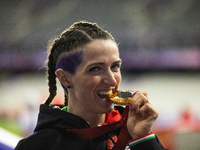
(90, 133)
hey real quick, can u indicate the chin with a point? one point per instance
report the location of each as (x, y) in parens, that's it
(109, 109)
(106, 107)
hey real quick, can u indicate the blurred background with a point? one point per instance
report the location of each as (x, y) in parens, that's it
(159, 42)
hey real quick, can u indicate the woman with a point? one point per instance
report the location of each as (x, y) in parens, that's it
(85, 59)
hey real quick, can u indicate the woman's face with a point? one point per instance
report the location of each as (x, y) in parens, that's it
(96, 77)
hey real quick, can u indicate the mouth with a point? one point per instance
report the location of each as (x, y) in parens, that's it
(104, 94)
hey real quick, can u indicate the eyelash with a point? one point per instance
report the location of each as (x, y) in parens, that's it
(116, 65)
(95, 69)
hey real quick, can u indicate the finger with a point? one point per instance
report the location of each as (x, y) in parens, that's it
(144, 93)
(137, 101)
(148, 110)
(140, 93)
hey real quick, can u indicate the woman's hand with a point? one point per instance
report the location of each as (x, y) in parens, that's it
(142, 115)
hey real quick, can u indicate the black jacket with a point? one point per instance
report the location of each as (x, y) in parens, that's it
(50, 134)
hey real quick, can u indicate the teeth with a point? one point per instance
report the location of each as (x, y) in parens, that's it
(105, 92)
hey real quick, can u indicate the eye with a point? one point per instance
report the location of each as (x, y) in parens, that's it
(94, 69)
(116, 66)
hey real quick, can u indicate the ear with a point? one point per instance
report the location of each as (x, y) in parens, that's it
(64, 77)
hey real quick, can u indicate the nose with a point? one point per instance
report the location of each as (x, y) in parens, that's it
(110, 78)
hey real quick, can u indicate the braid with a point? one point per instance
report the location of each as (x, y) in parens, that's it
(77, 35)
(93, 30)
(51, 79)
(66, 100)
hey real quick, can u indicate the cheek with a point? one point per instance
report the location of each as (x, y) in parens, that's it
(118, 77)
(93, 82)
(88, 83)
(84, 88)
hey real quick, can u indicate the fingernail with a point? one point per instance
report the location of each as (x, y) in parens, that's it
(134, 94)
(131, 106)
(135, 110)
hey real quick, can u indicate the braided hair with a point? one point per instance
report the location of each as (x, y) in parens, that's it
(77, 35)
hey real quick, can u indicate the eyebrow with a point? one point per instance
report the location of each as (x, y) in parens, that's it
(102, 63)
(118, 61)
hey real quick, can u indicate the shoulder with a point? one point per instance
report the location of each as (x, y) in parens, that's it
(44, 139)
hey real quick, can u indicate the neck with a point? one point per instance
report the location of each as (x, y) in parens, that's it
(93, 120)
(96, 120)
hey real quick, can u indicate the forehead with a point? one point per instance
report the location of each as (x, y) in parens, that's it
(101, 50)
